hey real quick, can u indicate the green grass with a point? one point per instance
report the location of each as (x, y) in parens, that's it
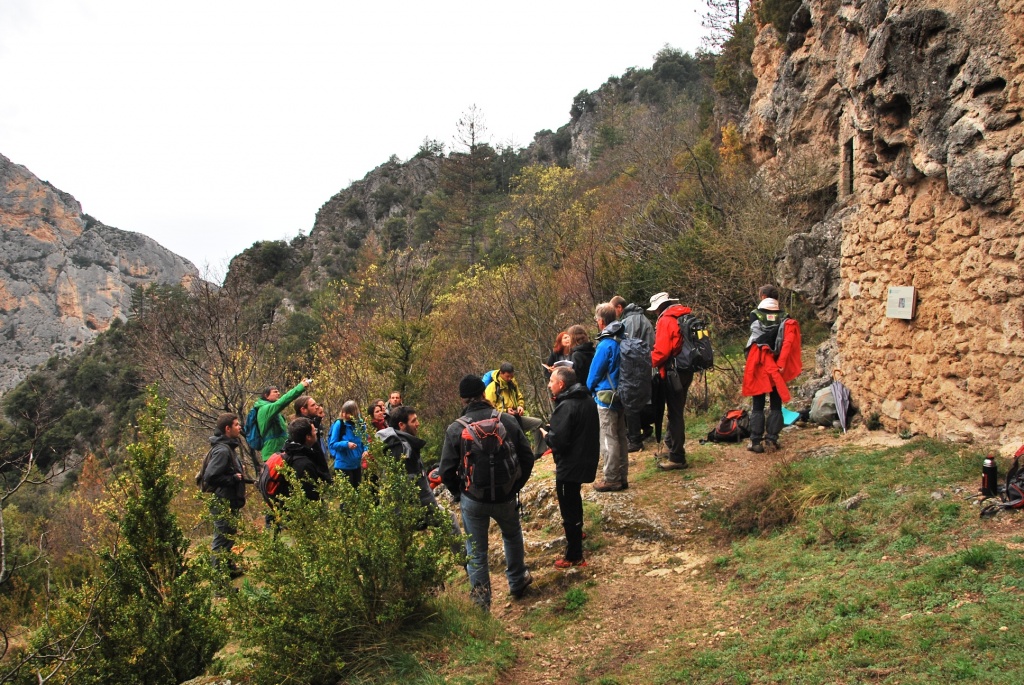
(901, 589)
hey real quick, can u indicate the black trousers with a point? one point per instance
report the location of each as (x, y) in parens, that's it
(675, 400)
(570, 504)
(773, 422)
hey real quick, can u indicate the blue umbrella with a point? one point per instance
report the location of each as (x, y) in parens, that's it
(841, 394)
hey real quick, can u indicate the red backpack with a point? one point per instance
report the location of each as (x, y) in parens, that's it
(271, 481)
(489, 467)
(734, 427)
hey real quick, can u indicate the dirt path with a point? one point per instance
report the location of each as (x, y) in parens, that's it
(644, 584)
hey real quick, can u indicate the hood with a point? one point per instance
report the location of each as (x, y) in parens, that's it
(386, 434)
(584, 347)
(613, 330)
(292, 447)
(218, 438)
(676, 310)
(390, 436)
(631, 310)
(577, 390)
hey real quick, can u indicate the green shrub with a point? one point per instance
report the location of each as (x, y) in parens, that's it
(343, 576)
(575, 599)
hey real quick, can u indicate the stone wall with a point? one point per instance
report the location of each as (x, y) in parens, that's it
(917, 106)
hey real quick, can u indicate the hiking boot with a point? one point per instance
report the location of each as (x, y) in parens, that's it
(756, 448)
(564, 564)
(672, 465)
(634, 447)
(604, 486)
(771, 445)
(527, 582)
(481, 596)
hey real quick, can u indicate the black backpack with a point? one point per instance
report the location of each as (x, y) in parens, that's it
(201, 476)
(696, 354)
(774, 330)
(734, 427)
(489, 465)
(634, 374)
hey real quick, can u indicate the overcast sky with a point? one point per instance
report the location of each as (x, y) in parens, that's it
(210, 124)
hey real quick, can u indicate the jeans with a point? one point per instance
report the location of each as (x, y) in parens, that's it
(570, 504)
(613, 445)
(676, 403)
(476, 519)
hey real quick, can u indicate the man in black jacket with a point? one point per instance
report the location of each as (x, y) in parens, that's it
(478, 509)
(301, 453)
(225, 476)
(402, 440)
(574, 437)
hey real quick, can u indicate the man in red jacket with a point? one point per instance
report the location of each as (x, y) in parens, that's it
(668, 343)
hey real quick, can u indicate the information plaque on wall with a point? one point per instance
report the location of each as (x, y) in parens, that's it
(902, 303)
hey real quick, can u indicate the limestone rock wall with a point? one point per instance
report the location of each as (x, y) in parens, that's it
(63, 275)
(916, 106)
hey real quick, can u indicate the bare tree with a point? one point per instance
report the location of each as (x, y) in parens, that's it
(206, 347)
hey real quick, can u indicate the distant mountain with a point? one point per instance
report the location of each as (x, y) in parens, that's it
(64, 276)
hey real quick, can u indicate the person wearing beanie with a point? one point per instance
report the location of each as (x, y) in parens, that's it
(773, 359)
(478, 509)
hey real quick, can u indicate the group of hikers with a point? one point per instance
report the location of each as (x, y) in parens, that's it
(601, 413)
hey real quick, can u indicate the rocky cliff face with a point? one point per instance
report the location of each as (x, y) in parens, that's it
(63, 275)
(914, 109)
(381, 206)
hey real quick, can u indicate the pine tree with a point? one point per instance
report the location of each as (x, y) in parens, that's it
(148, 617)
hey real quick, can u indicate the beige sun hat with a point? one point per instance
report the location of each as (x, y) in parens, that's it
(658, 300)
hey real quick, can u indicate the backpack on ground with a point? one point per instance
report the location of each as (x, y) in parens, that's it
(252, 429)
(201, 476)
(734, 427)
(823, 411)
(489, 465)
(634, 374)
(271, 482)
(1012, 495)
(696, 354)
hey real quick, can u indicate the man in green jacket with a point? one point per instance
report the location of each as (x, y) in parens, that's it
(268, 416)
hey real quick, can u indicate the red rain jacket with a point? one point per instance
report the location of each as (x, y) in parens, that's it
(764, 372)
(668, 341)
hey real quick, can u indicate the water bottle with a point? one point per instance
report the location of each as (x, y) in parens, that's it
(989, 477)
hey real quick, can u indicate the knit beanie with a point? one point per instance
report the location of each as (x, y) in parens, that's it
(471, 386)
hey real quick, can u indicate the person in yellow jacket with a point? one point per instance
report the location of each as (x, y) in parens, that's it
(503, 392)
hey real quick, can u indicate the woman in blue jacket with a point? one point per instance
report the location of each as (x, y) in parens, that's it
(346, 443)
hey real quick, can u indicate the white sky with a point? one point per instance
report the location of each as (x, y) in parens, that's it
(210, 124)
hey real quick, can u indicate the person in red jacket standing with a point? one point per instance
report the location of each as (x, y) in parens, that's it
(773, 359)
(668, 343)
